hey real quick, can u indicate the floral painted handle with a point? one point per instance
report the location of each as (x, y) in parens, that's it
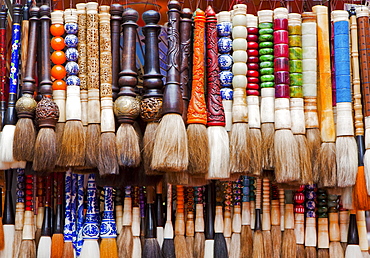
(90, 229)
(108, 227)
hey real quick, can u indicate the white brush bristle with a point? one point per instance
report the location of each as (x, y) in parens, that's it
(367, 170)
(218, 140)
(208, 248)
(136, 250)
(353, 251)
(9, 231)
(347, 161)
(160, 236)
(6, 143)
(90, 249)
(44, 247)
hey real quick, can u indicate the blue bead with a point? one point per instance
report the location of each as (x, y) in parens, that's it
(72, 68)
(225, 61)
(72, 54)
(224, 29)
(71, 28)
(226, 94)
(226, 78)
(71, 40)
(73, 80)
(225, 45)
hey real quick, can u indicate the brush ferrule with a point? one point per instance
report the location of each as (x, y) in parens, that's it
(258, 220)
(297, 116)
(254, 119)
(47, 112)
(150, 225)
(126, 108)
(344, 123)
(310, 112)
(26, 106)
(268, 105)
(73, 103)
(282, 114)
(90, 229)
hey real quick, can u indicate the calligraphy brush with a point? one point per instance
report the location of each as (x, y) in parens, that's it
(266, 218)
(322, 225)
(209, 225)
(299, 220)
(28, 247)
(362, 233)
(135, 227)
(159, 213)
(246, 231)
(288, 249)
(78, 210)
(44, 245)
(179, 240)
(353, 248)
(40, 207)
(199, 238)
(310, 240)
(57, 240)
(190, 223)
(118, 209)
(124, 240)
(67, 232)
(151, 247)
(170, 152)
(335, 249)
(235, 246)
(275, 221)
(258, 240)
(19, 213)
(168, 247)
(220, 246)
(227, 205)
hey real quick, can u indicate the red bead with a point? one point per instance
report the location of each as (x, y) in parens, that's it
(57, 43)
(253, 59)
(252, 45)
(253, 93)
(58, 57)
(281, 37)
(252, 30)
(57, 29)
(253, 80)
(252, 52)
(253, 86)
(253, 66)
(59, 85)
(58, 72)
(252, 37)
(253, 73)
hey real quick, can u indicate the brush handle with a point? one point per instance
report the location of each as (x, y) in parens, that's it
(199, 220)
(258, 193)
(46, 229)
(362, 232)
(28, 227)
(172, 97)
(237, 220)
(153, 97)
(299, 209)
(185, 43)
(219, 222)
(190, 225)
(327, 128)
(90, 228)
(227, 230)
(323, 233)
(127, 107)
(343, 225)
(127, 215)
(334, 231)
(159, 206)
(353, 236)
(266, 219)
(215, 111)
(108, 225)
(150, 225)
(80, 211)
(196, 112)
(210, 221)
(3, 25)
(58, 221)
(253, 53)
(116, 11)
(67, 212)
(246, 213)
(8, 215)
(135, 227)
(20, 205)
(180, 217)
(310, 232)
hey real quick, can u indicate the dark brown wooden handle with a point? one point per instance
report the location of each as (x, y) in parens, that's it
(363, 34)
(45, 80)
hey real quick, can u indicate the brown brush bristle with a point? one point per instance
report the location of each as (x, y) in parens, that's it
(314, 143)
(361, 200)
(177, 178)
(289, 249)
(128, 148)
(258, 245)
(108, 248)
(197, 181)
(92, 145)
(267, 243)
(72, 153)
(344, 245)
(198, 149)
(190, 245)
(276, 240)
(59, 131)
(139, 133)
(326, 165)
(45, 155)
(148, 142)
(255, 148)
(199, 245)
(323, 253)
(300, 251)
(68, 250)
(17, 243)
(286, 157)
(247, 240)
(304, 159)
(181, 249)
(24, 140)
(347, 160)
(240, 156)
(125, 243)
(28, 249)
(234, 250)
(108, 164)
(170, 152)
(311, 252)
(336, 250)
(268, 154)
(37, 236)
(57, 246)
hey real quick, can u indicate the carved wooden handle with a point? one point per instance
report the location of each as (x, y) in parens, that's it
(180, 217)
(266, 219)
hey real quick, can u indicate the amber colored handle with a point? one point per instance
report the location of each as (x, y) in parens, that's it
(266, 219)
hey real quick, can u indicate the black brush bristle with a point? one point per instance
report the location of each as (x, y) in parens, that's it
(151, 249)
(168, 249)
(220, 247)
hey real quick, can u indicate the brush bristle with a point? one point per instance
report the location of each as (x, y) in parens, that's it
(136, 247)
(304, 159)
(190, 246)
(181, 249)
(276, 240)
(198, 149)
(344, 245)
(289, 249)
(24, 140)
(347, 160)
(59, 132)
(314, 142)
(286, 157)
(90, 249)
(68, 250)
(255, 148)
(365, 254)
(168, 248)
(247, 240)
(108, 164)
(234, 251)
(199, 245)
(220, 247)
(127, 143)
(45, 150)
(17, 243)
(311, 252)
(336, 250)
(177, 178)
(108, 248)
(170, 152)
(300, 251)
(37, 236)
(27, 249)
(148, 142)
(124, 242)
(326, 165)
(323, 253)
(240, 155)
(92, 145)
(72, 152)
(151, 248)
(367, 170)
(7, 250)
(218, 141)
(267, 243)
(44, 247)
(57, 245)
(361, 200)
(258, 245)
(7, 140)
(268, 154)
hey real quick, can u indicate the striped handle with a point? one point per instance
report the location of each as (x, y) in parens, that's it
(68, 196)
(90, 229)
(108, 226)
